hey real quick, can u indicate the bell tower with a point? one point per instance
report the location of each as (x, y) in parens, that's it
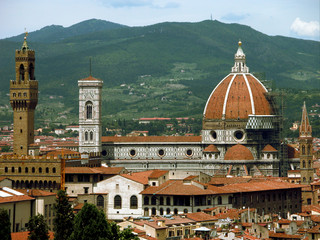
(305, 142)
(90, 115)
(23, 99)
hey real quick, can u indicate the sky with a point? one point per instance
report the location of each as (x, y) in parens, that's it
(292, 18)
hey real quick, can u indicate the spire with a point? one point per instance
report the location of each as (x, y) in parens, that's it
(305, 127)
(240, 61)
(25, 45)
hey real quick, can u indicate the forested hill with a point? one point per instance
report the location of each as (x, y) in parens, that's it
(181, 61)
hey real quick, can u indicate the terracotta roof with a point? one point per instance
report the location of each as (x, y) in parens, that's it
(16, 198)
(174, 220)
(200, 217)
(284, 235)
(81, 170)
(211, 148)
(238, 152)
(255, 186)
(221, 181)
(230, 213)
(3, 178)
(141, 177)
(315, 218)
(157, 173)
(190, 178)
(110, 170)
(269, 148)
(90, 78)
(315, 229)
(25, 235)
(152, 139)
(292, 152)
(35, 192)
(284, 221)
(63, 151)
(238, 104)
(79, 206)
(177, 187)
(309, 208)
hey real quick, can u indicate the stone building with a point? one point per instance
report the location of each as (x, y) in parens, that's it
(23, 99)
(240, 135)
(90, 115)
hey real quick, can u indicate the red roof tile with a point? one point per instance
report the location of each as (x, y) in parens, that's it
(200, 217)
(284, 235)
(269, 148)
(81, 170)
(238, 152)
(16, 198)
(110, 170)
(211, 148)
(141, 177)
(24, 235)
(152, 139)
(157, 173)
(35, 192)
(90, 78)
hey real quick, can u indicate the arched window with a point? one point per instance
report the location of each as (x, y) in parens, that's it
(47, 170)
(133, 202)
(54, 170)
(86, 136)
(161, 201)
(304, 179)
(230, 200)
(303, 150)
(168, 201)
(33, 170)
(146, 200)
(153, 200)
(153, 211)
(19, 170)
(40, 170)
(117, 202)
(168, 210)
(185, 210)
(146, 211)
(31, 72)
(26, 170)
(21, 72)
(6, 169)
(100, 201)
(219, 200)
(12, 169)
(309, 150)
(175, 211)
(309, 163)
(303, 164)
(91, 135)
(89, 110)
(161, 211)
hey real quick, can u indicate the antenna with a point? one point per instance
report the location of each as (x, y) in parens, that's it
(90, 67)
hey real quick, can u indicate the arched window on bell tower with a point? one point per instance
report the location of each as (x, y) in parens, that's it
(31, 72)
(21, 72)
(303, 150)
(91, 136)
(88, 110)
(86, 136)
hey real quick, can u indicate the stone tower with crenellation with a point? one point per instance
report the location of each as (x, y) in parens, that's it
(23, 99)
(305, 145)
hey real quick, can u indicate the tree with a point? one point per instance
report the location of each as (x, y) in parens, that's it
(5, 225)
(90, 224)
(63, 221)
(38, 228)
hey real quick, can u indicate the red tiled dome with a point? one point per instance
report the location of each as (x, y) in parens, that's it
(237, 96)
(238, 152)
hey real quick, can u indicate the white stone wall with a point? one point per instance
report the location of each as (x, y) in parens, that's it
(223, 136)
(125, 188)
(73, 189)
(90, 90)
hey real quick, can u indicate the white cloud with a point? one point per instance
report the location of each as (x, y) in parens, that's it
(301, 28)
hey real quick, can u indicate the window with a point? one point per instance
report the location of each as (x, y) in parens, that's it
(153, 211)
(161, 201)
(168, 201)
(175, 211)
(304, 164)
(40, 170)
(86, 136)
(168, 210)
(19, 170)
(100, 201)
(161, 152)
(161, 211)
(54, 170)
(133, 202)
(132, 152)
(47, 170)
(21, 72)
(153, 200)
(6, 169)
(117, 202)
(189, 153)
(89, 110)
(12, 169)
(86, 190)
(309, 150)
(146, 200)
(91, 136)
(230, 200)
(213, 135)
(146, 211)
(219, 200)
(238, 135)
(26, 170)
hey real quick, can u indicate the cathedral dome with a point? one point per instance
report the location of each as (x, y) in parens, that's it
(238, 152)
(238, 95)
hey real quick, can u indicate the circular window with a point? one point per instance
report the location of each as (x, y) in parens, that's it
(189, 152)
(161, 152)
(132, 152)
(238, 135)
(213, 135)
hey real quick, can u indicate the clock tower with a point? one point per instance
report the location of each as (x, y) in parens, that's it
(90, 115)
